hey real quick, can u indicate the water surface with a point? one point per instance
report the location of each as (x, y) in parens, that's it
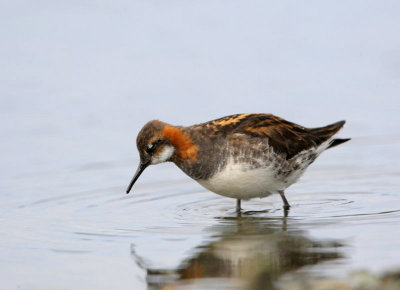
(171, 231)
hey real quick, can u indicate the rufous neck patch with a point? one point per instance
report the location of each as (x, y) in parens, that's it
(182, 142)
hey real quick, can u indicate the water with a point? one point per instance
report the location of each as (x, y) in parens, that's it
(66, 229)
(78, 82)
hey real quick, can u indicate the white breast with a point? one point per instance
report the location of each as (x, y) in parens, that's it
(237, 180)
(242, 181)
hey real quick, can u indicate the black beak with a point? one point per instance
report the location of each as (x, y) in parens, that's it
(141, 168)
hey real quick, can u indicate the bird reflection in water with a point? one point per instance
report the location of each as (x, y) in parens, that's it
(246, 252)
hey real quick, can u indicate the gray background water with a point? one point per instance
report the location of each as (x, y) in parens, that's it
(78, 79)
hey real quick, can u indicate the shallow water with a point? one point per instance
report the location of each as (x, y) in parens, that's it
(172, 232)
(79, 80)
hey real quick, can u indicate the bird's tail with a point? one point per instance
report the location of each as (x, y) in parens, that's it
(337, 141)
(325, 133)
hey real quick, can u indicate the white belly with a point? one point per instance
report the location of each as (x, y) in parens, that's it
(242, 181)
(239, 181)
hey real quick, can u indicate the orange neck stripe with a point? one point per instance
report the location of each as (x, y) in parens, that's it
(182, 142)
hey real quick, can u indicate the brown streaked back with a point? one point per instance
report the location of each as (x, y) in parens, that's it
(285, 137)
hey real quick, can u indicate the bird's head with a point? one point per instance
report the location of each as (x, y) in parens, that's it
(159, 142)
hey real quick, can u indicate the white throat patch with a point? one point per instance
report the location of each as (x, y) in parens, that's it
(164, 155)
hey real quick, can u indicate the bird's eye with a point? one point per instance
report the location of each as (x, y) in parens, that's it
(152, 146)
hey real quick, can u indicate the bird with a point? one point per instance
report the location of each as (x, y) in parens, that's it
(241, 156)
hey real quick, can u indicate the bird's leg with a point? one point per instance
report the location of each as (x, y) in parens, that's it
(285, 213)
(238, 205)
(286, 205)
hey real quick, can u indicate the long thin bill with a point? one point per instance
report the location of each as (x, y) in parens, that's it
(139, 171)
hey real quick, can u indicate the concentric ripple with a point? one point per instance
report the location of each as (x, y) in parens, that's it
(165, 225)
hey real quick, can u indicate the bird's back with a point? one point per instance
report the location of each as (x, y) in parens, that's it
(284, 137)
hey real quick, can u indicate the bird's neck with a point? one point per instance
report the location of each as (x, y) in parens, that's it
(185, 148)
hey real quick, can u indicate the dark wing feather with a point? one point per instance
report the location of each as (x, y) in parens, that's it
(285, 137)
